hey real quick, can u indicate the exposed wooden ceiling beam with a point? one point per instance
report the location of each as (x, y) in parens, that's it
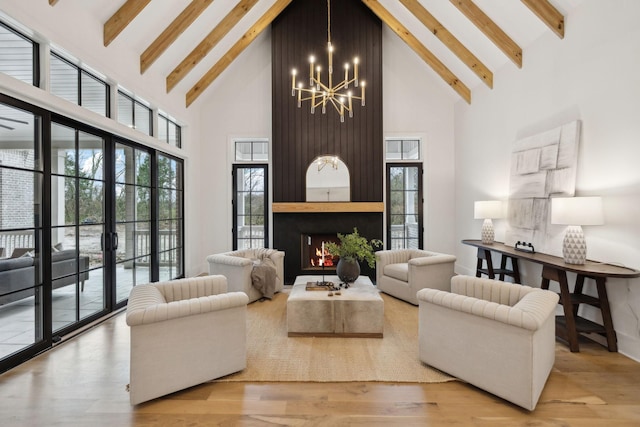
(548, 14)
(209, 42)
(490, 29)
(429, 21)
(122, 18)
(424, 53)
(236, 50)
(172, 32)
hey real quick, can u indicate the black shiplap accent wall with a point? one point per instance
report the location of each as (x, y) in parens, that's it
(298, 136)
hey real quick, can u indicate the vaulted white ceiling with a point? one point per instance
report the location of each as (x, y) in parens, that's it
(138, 32)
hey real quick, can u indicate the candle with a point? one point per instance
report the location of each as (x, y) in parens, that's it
(313, 100)
(350, 107)
(355, 71)
(318, 78)
(311, 61)
(323, 254)
(293, 82)
(362, 96)
(299, 95)
(346, 75)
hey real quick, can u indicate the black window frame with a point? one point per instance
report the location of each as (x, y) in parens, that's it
(79, 73)
(420, 212)
(135, 102)
(235, 201)
(169, 123)
(35, 63)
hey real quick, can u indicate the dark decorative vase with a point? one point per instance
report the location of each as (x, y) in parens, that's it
(348, 271)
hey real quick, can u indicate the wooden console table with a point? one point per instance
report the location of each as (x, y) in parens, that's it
(554, 268)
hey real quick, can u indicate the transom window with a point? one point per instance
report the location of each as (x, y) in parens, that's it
(169, 131)
(134, 113)
(18, 55)
(77, 85)
(252, 150)
(402, 149)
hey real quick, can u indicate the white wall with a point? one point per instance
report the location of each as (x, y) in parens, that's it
(238, 106)
(590, 75)
(417, 102)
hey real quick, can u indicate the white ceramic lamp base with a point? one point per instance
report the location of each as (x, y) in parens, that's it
(487, 233)
(574, 247)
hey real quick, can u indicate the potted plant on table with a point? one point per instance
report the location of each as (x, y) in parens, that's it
(352, 248)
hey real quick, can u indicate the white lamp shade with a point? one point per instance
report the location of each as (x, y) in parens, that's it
(488, 209)
(577, 211)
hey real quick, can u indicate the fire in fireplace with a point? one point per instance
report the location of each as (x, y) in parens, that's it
(314, 254)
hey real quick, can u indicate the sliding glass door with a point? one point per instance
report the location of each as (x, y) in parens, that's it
(84, 217)
(77, 225)
(22, 327)
(132, 241)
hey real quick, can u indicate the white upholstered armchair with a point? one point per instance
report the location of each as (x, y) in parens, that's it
(183, 333)
(237, 267)
(403, 272)
(498, 336)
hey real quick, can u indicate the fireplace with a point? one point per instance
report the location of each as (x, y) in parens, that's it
(313, 253)
(290, 230)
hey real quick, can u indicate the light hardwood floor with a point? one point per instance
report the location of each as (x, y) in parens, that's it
(82, 382)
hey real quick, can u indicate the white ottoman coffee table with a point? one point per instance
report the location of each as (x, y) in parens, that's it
(357, 312)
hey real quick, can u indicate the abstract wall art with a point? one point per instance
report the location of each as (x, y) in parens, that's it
(542, 166)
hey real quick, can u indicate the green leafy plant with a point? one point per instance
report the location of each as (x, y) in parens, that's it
(354, 247)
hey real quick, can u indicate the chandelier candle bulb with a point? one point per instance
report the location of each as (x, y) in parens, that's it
(312, 60)
(299, 95)
(346, 75)
(293, 82)
(330, 59)
(313, 100)
(362, 95)
(355, 71)
(318, 78)
(350, 106)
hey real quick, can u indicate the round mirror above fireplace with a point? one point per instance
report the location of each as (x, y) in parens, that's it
(328, 180)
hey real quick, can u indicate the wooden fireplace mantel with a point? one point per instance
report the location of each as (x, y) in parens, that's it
(321, 207)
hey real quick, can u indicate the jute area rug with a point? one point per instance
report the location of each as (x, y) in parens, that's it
(273, 356)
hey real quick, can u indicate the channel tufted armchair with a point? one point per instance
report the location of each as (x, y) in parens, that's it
(498, 336)
(237, 267)
(403, 272)
(183, 333)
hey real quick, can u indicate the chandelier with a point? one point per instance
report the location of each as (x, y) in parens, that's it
(319, 93)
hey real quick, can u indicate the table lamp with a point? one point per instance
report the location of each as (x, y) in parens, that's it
(487, 210)
(576, 212)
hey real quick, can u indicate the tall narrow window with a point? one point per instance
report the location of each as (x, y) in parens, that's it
(18, 55)
(170, 217)
(250, 206)
(404, 205)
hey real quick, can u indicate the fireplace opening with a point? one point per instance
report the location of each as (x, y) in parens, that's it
(313, 252)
